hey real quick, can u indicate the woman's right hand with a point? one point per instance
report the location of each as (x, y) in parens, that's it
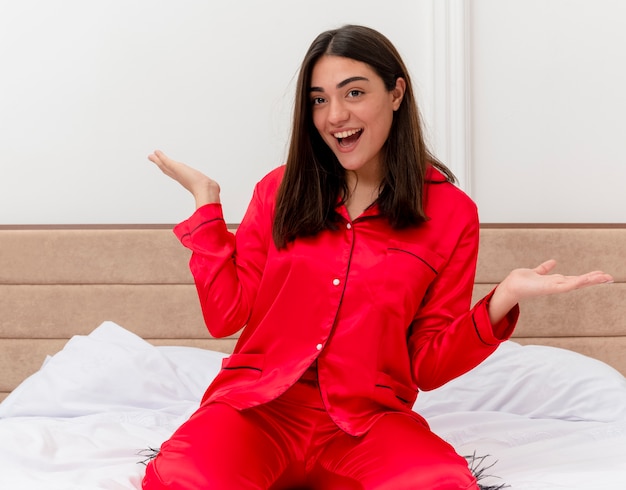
(203, 189)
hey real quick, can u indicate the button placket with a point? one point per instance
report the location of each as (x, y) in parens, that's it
(337, 281)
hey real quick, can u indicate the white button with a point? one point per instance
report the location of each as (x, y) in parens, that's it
(336, 282)
(349, 226)
(319, 346)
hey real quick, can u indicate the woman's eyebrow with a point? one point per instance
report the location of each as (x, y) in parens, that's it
(350, 80)
(341, 84)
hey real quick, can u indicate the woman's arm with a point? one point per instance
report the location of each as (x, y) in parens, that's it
(226, 268)
(449, 339)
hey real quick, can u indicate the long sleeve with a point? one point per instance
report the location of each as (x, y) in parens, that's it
(227, 268)
(448, 338)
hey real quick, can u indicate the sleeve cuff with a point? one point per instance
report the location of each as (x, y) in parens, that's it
(207, 216)
(501, 331)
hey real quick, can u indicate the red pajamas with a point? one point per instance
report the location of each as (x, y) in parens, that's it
(380, 313)
(291, 442)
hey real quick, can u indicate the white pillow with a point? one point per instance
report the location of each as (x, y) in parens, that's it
(195, 367)
(534, 381)
(113, 369)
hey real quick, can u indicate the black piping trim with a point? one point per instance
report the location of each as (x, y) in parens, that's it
(478, 332)
(233, 368)
(184, 235)
(416, 256)
(389, 388)
(343, 292)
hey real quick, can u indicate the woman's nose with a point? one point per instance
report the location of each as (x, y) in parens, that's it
(338, 112)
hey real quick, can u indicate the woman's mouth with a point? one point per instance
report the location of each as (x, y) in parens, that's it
(348, 138)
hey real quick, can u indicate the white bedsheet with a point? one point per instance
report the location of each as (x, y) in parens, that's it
(546, 418)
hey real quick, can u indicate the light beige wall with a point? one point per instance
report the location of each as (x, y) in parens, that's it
(88, 89)
(523, 99)
(547, 106)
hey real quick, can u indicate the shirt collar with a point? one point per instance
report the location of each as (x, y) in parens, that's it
(372, 211)
(433, 176)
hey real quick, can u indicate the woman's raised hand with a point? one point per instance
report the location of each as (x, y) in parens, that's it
(204, 189)
(528, 283)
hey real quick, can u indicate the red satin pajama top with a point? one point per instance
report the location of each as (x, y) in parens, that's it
(384, 312)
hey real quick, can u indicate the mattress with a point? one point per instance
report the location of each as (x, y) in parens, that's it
(530, 417)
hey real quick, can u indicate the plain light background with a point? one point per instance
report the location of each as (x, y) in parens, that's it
(90, 88)
(548, 110)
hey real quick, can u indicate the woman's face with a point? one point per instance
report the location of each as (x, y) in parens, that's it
(353, 111)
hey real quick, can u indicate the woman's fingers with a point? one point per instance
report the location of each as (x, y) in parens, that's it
(165, 163)
(203, 189)
(545, 267)
(593, 278)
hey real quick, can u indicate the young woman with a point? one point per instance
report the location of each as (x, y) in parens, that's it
(351, 274)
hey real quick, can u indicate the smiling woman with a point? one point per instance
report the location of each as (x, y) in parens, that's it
(351, 275)
(372, 81)
(354, 116)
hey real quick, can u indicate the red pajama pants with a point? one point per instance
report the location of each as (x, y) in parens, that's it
(292, 443)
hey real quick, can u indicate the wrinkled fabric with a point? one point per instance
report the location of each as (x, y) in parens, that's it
(291, 443)
(382, 312)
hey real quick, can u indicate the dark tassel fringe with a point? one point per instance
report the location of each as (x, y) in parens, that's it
(148, 455)
(479, 467)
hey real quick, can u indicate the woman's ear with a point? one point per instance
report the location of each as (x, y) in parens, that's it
(398, 93)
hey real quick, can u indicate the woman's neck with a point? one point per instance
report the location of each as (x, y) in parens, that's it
(363, 190)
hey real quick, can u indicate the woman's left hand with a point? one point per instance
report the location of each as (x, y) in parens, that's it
(528, 283)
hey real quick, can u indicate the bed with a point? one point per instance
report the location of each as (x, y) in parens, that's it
(103, 353)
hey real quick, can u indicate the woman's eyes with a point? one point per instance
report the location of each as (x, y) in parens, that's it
(355, 93)
(350, 94)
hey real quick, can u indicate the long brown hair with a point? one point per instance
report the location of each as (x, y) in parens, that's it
(314, 178)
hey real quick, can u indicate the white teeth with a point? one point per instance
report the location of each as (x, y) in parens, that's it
(345, 134)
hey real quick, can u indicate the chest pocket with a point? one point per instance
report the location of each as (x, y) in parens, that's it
(410, 268)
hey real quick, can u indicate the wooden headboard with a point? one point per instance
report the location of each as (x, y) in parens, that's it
(56, 282)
